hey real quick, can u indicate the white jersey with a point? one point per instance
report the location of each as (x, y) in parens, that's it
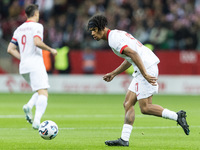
(118, 40)
(30, 56)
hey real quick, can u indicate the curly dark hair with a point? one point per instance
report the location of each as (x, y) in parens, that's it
(98, 21)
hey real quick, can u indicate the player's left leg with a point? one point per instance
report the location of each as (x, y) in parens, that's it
(129, 103)
(28, 107)
(33, 100)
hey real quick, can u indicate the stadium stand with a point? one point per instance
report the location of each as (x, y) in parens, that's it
(167, 24)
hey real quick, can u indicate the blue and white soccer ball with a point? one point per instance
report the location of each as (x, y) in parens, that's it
(48, 130)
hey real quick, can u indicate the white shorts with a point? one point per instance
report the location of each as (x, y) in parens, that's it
(37, 79)
(141, 86)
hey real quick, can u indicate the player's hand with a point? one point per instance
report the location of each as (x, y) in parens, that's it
(108, 77)
(54, 51)
(152, 80)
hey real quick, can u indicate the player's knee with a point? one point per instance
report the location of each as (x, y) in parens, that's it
(144, 110)
(126, 105)
(43, 92)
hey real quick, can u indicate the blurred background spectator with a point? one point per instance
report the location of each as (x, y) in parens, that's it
(166, 24)
(62, 63)
(88, 59)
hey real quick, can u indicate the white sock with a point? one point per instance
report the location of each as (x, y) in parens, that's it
(126, 132)
(41, 105)
(33, 100)
(168, 114)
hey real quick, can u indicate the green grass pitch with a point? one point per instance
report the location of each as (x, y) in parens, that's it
(85, 122)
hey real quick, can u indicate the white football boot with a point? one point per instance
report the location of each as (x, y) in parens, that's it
(28, 113)
(36, 124)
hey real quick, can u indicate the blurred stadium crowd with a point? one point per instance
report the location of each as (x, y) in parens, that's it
(167, 24)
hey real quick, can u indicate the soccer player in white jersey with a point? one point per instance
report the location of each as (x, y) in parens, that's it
(28, 38)
(144, 83)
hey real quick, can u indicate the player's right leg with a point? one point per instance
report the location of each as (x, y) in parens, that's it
(181, 120)
(148, 108)
(39, 83)
(146, 91)
(41, 105)
(129, 103)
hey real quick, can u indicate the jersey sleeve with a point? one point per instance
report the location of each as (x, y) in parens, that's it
(14, 39)
(118, 42)
(38, 32)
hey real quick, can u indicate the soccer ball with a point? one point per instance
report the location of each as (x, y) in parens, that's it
(48, 130)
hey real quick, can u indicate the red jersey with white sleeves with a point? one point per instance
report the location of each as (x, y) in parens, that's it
(118, 40)
(30, 56)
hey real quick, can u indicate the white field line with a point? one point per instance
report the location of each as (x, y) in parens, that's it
(114, 128)
(71, 116)
(105, 128)
(89, 116)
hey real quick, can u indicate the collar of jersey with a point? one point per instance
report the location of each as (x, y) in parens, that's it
(108, 33)
(29, 21)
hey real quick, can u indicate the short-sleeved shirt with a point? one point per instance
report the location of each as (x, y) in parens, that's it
(30, 56)
(118, 40)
